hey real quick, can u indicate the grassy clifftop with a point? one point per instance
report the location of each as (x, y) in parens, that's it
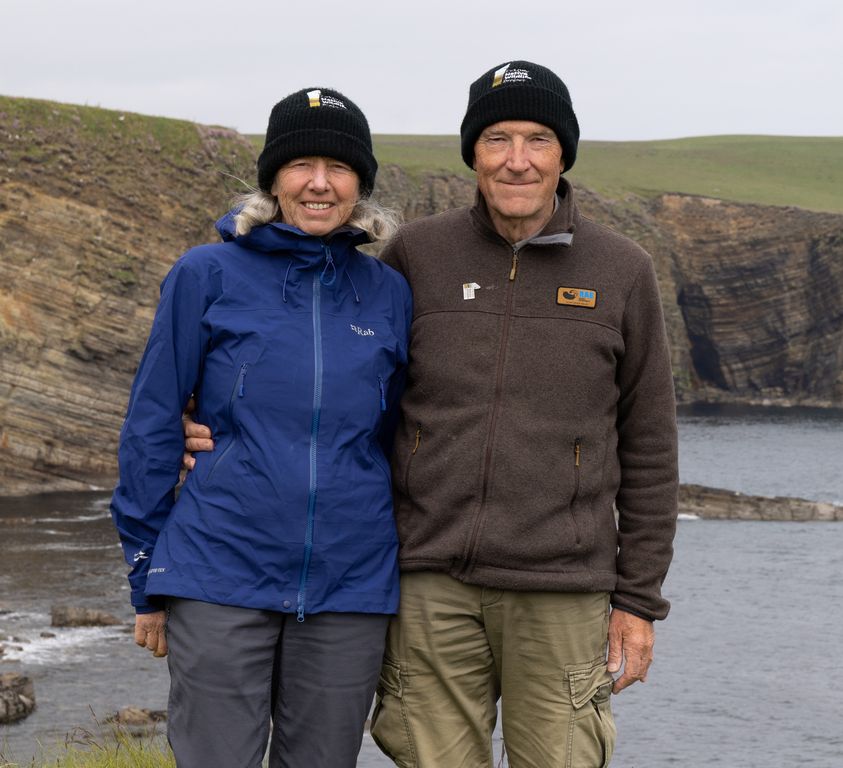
(768, 170)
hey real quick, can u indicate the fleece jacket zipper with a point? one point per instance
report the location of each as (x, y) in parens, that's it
(471, 545)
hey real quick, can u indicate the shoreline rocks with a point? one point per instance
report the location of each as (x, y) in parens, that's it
(138, 721)
(70, 616)
(17, 697)
(720, 504)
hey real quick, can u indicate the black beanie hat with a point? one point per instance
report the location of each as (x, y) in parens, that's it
(317, 122)
(520, 90)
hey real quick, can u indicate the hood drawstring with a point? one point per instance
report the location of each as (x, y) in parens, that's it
(353, 287)
(329, 264)
(286, 275)
(330, 268)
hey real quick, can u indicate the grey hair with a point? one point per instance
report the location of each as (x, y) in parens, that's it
(258, 207)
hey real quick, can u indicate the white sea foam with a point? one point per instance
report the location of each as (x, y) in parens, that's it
(687, 516)
(57, 547)
(25, 617)
(74, 519)
(70, 645)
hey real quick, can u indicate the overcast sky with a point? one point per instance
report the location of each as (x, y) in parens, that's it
(649, 69)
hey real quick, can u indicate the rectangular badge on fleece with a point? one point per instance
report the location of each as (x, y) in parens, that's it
(576, 297)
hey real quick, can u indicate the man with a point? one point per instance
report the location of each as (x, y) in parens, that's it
(539, 400)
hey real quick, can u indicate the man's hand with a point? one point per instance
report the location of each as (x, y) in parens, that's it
(631, 642)
(149, 632)
(197, 437)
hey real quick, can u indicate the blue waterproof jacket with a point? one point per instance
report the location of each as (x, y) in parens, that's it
(294, 347)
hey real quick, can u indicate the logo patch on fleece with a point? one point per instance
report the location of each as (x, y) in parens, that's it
(576, 297)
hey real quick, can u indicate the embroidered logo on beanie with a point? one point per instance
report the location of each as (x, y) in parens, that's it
(499, 73)
(316, 99)
(505, 75)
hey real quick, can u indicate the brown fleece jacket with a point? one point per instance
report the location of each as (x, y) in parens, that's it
(539, 397)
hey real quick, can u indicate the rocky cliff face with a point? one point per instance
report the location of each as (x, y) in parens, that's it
(760, 291)
(96, 205)
(94, 208)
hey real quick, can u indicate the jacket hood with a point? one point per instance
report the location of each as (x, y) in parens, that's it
(329, 254)
(278, 236)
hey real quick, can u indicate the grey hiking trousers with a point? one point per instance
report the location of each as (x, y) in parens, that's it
(235, 671)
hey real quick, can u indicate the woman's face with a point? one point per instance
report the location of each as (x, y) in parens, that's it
(316, 194)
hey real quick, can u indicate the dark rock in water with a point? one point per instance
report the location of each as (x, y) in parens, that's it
(719, 504)
(138, 721)
(68, 616)
(47, 635)
(17, 697)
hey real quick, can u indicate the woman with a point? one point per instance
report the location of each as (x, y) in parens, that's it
(276, 567)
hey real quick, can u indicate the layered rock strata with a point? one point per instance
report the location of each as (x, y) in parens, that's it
(96, 205)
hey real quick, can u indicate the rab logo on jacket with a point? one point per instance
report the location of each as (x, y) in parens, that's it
(362, 331)
(576, 297)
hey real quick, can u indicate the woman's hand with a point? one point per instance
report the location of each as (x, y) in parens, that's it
(149, 632)
(197, 437)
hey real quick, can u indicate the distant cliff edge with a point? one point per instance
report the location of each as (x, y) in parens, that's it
(95, 205)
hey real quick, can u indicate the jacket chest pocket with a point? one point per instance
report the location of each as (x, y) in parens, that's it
(223, 451)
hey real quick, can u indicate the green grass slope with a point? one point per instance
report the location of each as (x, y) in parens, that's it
(770, 170)
(806, 172)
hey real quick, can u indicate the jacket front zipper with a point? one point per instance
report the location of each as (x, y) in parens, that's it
(471, 545)
(383, 393)
(239, 390)
(314, 435)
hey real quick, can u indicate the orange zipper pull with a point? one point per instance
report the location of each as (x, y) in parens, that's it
(514, 265)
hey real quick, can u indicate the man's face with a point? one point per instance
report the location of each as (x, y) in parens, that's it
(518, 163)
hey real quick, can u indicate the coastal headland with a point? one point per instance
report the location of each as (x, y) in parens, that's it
(96, 205)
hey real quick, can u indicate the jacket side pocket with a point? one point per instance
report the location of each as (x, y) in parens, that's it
(416, 445)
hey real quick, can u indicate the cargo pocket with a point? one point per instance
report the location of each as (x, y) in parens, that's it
(591, 733)
(390, 726)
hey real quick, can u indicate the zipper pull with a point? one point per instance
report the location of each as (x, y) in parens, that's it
(383, 394)
(577, 452)
(329, 264)
(514, 264)
(418, 440)
(242, 388)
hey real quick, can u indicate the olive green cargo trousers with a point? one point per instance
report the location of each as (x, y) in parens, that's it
(455, 649)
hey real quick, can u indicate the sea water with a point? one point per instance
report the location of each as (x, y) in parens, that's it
(745, 666)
